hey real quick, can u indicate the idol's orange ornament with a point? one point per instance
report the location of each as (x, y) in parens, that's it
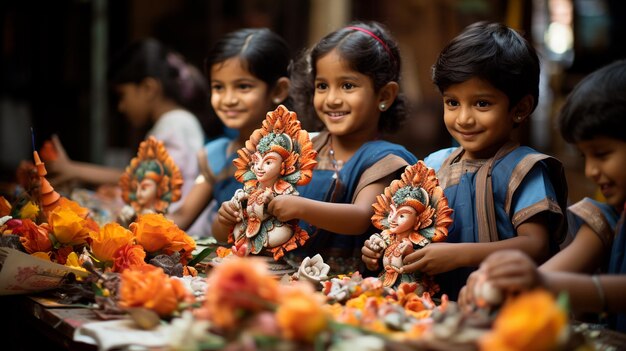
(110, 238)
(532, 321)
(300, 315)
(5, 207)
(158, 234)
(151, 288)
(129, 257)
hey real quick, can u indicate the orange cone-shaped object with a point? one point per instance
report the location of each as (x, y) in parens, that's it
(49, 197)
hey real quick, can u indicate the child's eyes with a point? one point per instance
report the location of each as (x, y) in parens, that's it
(321, 86)
(482, 103)
(244, 86)
(216, 87)
(451, 102)
(347, 86)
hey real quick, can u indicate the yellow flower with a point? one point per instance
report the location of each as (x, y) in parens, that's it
(68, 227)
(532, 321)
(42, 255)
(30, 211)
(109, 239)
(300, 314)
(74, 262)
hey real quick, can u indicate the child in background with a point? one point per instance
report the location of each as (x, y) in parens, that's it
(503, 195)
(351, 79)
(594, 119)
(155, 85)
(248, 75)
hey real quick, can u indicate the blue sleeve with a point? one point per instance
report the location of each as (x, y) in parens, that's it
(535, 187)
(436, 159)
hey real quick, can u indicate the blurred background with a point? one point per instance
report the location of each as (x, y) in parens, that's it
(55, 53)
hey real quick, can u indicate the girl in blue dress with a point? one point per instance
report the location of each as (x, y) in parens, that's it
(350, 81)
(248, 76)
(503, 195)
(594, 119)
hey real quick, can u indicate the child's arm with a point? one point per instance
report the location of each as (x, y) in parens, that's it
(63, 169)
(352, 218)
(532, 239)
(583, 255)
(513, 271)
(193, 204)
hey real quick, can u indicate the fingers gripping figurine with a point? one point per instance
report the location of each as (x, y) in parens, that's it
(151, 182)
(412, 212)
(277, 157)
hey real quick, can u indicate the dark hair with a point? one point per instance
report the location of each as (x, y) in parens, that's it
(492, 52)
(265, 54)
(597, 106)
(379, 60)
(181, 81)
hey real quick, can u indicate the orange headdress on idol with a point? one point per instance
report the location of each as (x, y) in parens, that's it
(281, 133)
(48, 196)
(152, 162)
(418, 188)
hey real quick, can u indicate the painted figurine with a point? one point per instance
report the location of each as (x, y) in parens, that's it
(277, 157)
(150, 183)
(412, 212)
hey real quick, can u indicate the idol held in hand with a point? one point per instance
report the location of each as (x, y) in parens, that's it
(150, 183)
(412, 212)
(277, 157)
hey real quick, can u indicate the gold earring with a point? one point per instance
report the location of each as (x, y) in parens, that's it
(518, 118)
(382, 107)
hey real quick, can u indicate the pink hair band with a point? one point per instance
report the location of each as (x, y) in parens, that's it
(371, 34)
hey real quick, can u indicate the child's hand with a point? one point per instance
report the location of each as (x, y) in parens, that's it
(432, 259)
(511, 271)
(371, 252)
(229, 214)
(59, 169)
(285, 207)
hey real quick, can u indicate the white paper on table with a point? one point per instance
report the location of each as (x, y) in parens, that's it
(21, 273)
(119, 333)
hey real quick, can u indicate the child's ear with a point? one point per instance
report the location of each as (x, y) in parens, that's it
(150, 86)
(387, 94)
(523, 109)
(281, 90)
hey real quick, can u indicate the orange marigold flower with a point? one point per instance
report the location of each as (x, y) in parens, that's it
(5, 207)
(532, 321)
(149, 287)
(110, 238)
(300, 314)
(68, 227)
(158, 234)
(129, 256)
(33, 237)
(42, 255)
(238, 284)
(222, 251)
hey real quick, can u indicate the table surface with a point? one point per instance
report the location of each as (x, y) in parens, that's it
(37, 317)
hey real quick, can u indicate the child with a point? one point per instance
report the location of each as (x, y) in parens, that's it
(594, 119)
(351, 78)
(503, 195)
(248, 74)
(154, 85)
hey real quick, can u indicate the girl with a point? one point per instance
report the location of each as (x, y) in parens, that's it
(592, 119)
(248, 74)
(154, 86)
(351, 80)
(503, 195)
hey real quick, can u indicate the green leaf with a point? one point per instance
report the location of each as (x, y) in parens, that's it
(201, 256)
